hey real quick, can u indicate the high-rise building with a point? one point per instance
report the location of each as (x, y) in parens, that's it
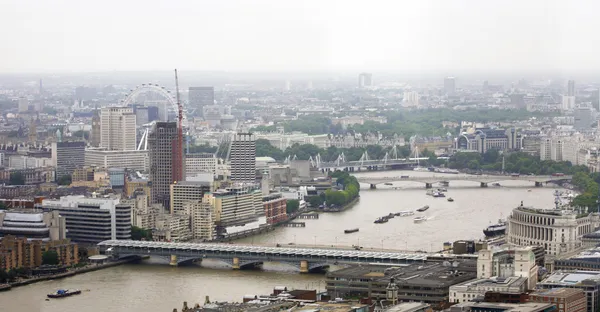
(449, 85)
(202, 219)
(365, 80)
(23, 104)
(242, 156)
(584, 118)
(571, 88)
(198, 163)
(198, 97)
(162, 142)
(185, 191)
(66, 156)
(235, 206)
(117, 125)
(96, 129)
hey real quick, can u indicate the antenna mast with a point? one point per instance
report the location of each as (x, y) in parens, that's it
(178, 164)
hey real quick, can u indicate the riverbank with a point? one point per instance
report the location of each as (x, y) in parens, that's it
(89, 268)
(346, 206)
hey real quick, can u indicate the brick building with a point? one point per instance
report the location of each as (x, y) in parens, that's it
(275, 208)
(21, 253)
(565, 299)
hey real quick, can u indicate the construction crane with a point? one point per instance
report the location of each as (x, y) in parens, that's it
(178, 164)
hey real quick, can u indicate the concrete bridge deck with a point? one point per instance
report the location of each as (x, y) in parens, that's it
(482, 179)
(240, 256)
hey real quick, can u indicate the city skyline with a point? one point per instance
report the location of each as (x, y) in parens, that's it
(308, 36)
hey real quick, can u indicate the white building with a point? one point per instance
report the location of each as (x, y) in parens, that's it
(118, 129)
(235, 206)
(196, 163)
(559, 231)
(502, 262)
(184, 191)
(172, 228)
(23, 104)
(411, 98)
(132, 159)
(472, 289)
(568, 102)
(25, 162)
(203, 219)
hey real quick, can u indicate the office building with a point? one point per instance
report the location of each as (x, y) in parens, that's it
(502, 307)
(449, 86)
(103, 158)
(275, 206)
(203, 219)
(504, 263)
(172, 228)
(242, 156)
(92, 220)
(161, 144)
(198, 163)
(421, 282)
(19, 162)
(559, 230)
(96, 133)
(484, 139)
(571, 88)
(587, 281)
(116, 177)
(19, 252)
(584, 118)
(66, 156)
(565, 299)
(475, 289)
(365, 80)
(235, 206)
(198, 97)
(45, 226)
(184, 191)
(118, 129)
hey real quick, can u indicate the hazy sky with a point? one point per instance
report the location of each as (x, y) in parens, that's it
(299, 35)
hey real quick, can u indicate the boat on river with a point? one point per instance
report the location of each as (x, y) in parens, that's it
(423, 208)
(351, 230)
(438, 194)
(381, 220)
(405, 213)
(420, 219)
(450, 199)
(61, 293)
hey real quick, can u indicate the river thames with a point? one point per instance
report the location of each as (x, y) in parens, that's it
(158, 287)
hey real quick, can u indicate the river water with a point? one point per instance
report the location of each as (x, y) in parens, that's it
(158, 287)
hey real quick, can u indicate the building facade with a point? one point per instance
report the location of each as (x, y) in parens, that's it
(102, 158)
(484, 139)
(66, 156)
(184, 191)
(198, 163)
(242, 156)
(161, 143)
(45, 226)
(235, 206)
(118, 129)
(275, 206)
(565, 299)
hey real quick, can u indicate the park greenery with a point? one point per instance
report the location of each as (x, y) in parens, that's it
(11, 276)
(347, 190)
(138, 233)
(64, 180)
(50, 257)
(292, 206)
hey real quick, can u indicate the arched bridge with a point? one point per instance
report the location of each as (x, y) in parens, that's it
(539, 180)
(241, 256)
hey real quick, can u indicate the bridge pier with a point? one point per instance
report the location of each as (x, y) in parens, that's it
(539, 184)
(236, 263)
(428, 185)
(373, 186)
(173, 261)
(303, 266)
(483, 184)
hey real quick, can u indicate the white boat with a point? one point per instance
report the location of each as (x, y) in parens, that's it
(420, 219)
(418, 168)
(405, 213)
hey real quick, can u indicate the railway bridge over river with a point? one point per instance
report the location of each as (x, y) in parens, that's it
(307, 259)
(483, 180)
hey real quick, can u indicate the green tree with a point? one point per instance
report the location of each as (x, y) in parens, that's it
(314, 201)
(140, 234)
(264, 148)
(292, 205)
(50, 257)
(3, 276)
(64, 180)
(3, 206)
(17, 178)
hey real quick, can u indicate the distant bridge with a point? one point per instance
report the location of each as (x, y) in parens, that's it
(243, 256)
(482, 179)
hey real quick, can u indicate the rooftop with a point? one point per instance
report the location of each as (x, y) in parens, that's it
(513, 307)
(557, 292)
(571, 278)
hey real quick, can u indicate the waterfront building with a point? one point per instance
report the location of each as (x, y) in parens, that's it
(184, 191)
(275, 206)
(198, 163)
(502, 307)
(427, 283)
(199, 97)
(587, 281)
(143, 214)
(67, 156)
(45, 226)
(92, 220)
(235, 206)
(484, 139)
(172, 228)
(565, 299)
(163, 160)
(203, 219)
(475, 289)
(103, 158)
(19, 252)
(559, 230)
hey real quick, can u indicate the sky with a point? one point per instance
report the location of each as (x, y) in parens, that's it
(299, 35)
